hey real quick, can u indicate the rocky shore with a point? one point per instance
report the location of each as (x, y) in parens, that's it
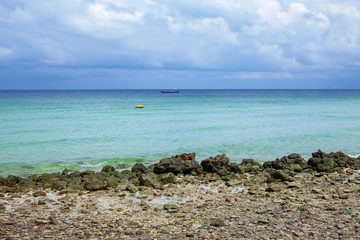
(181, 198)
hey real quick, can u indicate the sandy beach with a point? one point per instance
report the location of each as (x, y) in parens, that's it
(180, 198)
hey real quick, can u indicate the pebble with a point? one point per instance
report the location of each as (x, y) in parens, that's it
(53, 220)
(129, 231)
(41, 221)
(6, 189)
(289, 212)
(343, 196)
(66, 191)
(240, 221)
(39, 194)
(217, 222)
(170, 206)
(145, 237)
(316, 190)
(188, 216)
(263, 221)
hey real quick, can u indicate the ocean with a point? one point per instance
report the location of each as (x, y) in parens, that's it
(50, 130)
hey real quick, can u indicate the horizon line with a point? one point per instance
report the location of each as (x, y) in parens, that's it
(103, 89)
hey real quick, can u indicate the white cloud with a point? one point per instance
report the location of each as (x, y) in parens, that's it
(54, 54)
(259, 75)
(215, 28)
(347, 11)
(101, 12)
(322, 20)
(177, 26)
(269, 10)
(4, 52)
(18, 16)
(230, 35)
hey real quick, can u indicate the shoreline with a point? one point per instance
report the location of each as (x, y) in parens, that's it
(119, 164)
(180, 198)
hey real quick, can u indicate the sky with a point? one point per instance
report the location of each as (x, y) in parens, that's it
(150, 44)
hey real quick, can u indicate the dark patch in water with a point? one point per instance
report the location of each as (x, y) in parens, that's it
(28, 167)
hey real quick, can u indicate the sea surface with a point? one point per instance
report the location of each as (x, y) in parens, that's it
(47, 131)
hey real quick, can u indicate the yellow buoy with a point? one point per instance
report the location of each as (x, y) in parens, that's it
(139, 106)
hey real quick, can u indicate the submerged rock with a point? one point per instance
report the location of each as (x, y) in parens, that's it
(108, 169)
(65, 171)
(139, 168)
(122, 166)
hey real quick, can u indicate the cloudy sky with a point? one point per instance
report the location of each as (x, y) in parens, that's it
(179, 44)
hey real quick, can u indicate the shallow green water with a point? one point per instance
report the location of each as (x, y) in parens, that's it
(47, 131)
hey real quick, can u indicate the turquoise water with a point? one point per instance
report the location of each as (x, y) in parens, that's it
(47, 131)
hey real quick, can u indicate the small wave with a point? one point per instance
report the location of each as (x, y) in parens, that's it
(354, 156)
(97, 164)
(89, 165)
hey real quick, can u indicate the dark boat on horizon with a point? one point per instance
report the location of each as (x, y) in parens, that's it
(174, 91)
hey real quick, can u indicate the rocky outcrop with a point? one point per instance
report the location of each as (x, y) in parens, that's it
(108, 169)
(58, 185)
(278, 175)
(218, 164)
(149, 180)
(250, 166)
(95, 184)
(184, 163)
(99, 181)
(139, 168)
(167, 178)
(323, 162)
(154, 180)
(184, 168)
(291, 163)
